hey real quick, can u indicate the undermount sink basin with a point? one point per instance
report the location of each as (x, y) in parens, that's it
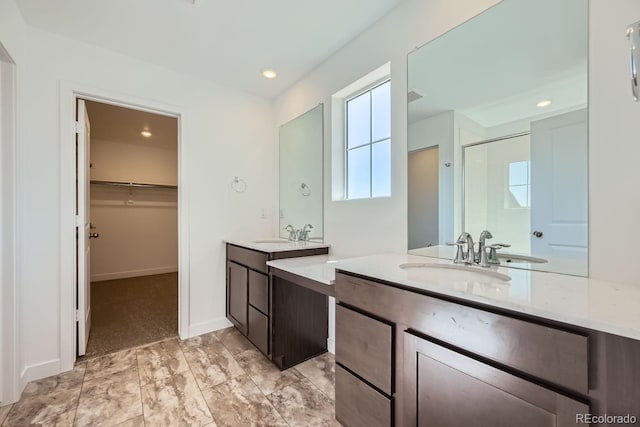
(520, 259)
(452, 272)
(271, 241)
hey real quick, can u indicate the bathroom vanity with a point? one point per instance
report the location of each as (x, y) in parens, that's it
(250, 287)
(541, 350)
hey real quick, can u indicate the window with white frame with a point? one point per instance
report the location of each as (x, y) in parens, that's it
(368, 143)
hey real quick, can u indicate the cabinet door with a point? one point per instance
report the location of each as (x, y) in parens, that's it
(237, 279)
(447, 389)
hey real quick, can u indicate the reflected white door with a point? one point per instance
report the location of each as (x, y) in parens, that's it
(83, 229)
(559, 191)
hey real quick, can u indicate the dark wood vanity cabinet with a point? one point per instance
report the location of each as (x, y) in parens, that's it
(409, 357)
(451, 389)
(249, 291)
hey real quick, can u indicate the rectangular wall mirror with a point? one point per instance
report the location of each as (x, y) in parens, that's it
(497, 136)
(301, 171)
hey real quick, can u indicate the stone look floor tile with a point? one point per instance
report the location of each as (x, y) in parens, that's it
(303, 404)
(107, 390)
(234, 340)
(160, 360)
(65, 381)
(4, 411)
(46, 401)
(239, 402)
(173, 401)
(110, 364)
(110, 400)
(265, 374)
(321, 371)
(212, 365)
(133, 422)
(200, 340)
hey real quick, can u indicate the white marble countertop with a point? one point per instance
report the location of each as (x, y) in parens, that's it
(274, 244)
(320, 268)
(594, 304)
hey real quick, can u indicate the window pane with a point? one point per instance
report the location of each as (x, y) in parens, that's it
(520, 194)
(359, 120)
(358, 173)
(381, 176)
(519, 173)
(381, 98)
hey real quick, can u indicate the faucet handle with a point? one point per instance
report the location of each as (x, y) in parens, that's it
(461, 256)
(492, 258)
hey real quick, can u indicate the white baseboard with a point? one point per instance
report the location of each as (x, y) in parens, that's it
(206, 327)
(133, 273)
(39, 371)
(331, 346)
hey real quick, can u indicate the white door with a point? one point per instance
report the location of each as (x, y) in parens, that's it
(559, 191)
(83, 229)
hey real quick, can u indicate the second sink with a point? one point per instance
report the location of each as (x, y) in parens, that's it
(457, 272)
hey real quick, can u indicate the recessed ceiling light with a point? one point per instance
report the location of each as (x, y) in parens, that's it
(544, 103)
(269, 73)
(146, 133)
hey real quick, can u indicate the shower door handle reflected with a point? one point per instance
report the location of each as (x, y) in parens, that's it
(94, 235)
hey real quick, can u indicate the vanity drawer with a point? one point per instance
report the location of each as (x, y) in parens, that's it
(252, 259)
(365, 346)
(360, 405)
(259, 330)
(259, 291)
(549, 353)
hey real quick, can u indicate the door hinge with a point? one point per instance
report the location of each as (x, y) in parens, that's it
(77, 315)
(77, 127)
(77, 221)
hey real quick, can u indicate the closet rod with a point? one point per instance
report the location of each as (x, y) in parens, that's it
(131, 184)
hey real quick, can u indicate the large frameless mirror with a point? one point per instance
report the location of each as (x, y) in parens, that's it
(497, 136)
(301, 164)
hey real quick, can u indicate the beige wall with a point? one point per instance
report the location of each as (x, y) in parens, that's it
(116, 161)
(138, 227)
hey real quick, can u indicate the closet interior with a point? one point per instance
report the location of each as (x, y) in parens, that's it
(134, 225)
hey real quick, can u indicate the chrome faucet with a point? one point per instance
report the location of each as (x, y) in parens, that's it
(486, 234)
(468, 257)
(293, 233)
(304, 233)
(471, 253)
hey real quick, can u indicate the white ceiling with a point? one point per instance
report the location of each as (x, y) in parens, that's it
(228, 42)
(497, 66)
(123, 125)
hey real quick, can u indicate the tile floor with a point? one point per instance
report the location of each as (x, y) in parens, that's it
(217, 379)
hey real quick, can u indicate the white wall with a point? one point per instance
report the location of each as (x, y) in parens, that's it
(217, 146)
(614, 146)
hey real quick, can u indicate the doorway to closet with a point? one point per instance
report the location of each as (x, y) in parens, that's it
(128, 238)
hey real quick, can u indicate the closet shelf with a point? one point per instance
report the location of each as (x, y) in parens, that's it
(131, 184)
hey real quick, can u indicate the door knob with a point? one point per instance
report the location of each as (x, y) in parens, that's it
(537, 234)
(94, 235)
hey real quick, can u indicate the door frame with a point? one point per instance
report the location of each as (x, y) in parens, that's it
(68, 94)
(9, 292)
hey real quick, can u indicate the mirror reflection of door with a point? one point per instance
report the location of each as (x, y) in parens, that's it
(559, 190)
(423, 198)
